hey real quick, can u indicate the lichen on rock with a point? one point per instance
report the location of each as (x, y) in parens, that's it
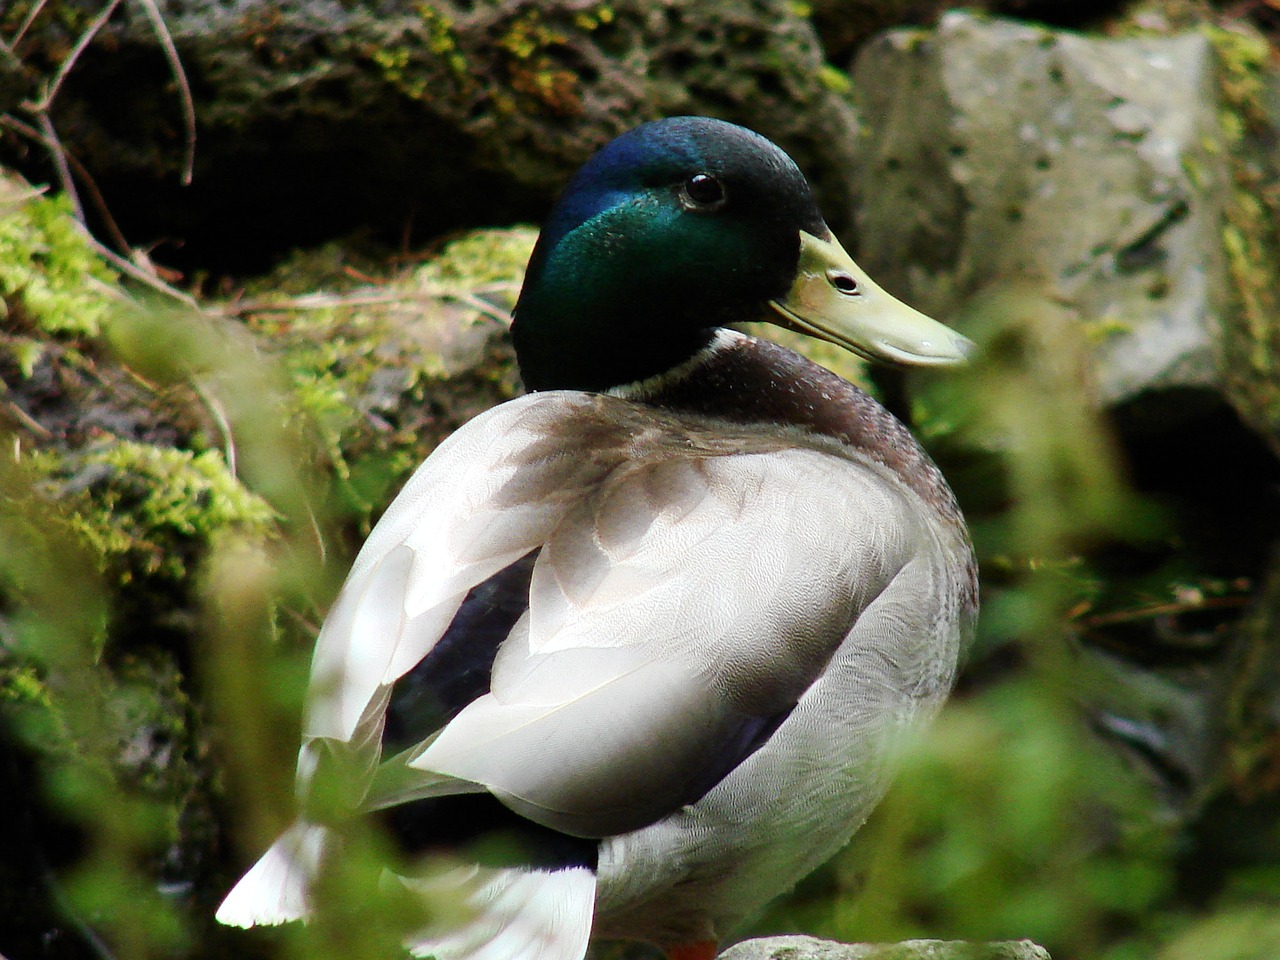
(385, 370)
(50, 278)
(1250, 119)
(424, 116)
(148, 452)
(149, 510)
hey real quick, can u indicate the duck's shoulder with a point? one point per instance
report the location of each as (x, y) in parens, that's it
(581, 428)
(767, 390)
(739, 395)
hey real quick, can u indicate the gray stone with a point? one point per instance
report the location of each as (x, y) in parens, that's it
(811, 948)
(1087, 171)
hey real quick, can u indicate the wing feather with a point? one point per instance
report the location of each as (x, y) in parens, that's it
(518, 915)
(463, 516)
(687, 592)
(661, 628)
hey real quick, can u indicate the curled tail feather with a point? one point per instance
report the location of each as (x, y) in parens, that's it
(275, 888)
(519, 915)
(511, 914)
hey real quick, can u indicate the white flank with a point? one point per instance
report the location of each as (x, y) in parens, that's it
(521, 915)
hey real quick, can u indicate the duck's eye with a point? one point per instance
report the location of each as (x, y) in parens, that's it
(842, 282)
(703, 191)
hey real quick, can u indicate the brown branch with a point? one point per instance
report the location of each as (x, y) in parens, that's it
(28, 421)
(86, 38)
(184, 88)
(27, 22)
(8, 52)
(324, 301)
(1161, 610)
(131, 269)
(82, 176)
(64, 161)
(219, 414)
(60, 164)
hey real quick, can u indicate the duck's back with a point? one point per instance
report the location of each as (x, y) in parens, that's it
(892, 623)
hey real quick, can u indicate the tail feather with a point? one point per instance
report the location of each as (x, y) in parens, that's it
(509, 914)
(520, 915)
(275, 888)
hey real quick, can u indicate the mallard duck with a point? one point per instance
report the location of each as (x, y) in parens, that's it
(660, 622)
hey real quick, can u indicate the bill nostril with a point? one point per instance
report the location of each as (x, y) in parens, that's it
(843, 282)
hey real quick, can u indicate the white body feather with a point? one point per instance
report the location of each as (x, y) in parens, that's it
(688, 576)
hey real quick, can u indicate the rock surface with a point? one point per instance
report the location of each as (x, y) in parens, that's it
(405, 116)
(1102, 214)
(1088, 169)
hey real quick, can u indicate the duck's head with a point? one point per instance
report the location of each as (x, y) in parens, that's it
(684, 225)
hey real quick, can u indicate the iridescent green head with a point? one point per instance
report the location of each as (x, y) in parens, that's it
(681, 226)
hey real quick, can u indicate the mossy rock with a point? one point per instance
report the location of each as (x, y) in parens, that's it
(317, 117)
(154, 455)
(1249, 87)
(386, 371)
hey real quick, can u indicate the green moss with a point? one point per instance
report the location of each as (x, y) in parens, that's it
(532, 70)
(14, 14)
(516, 68)
(589, 20)
(334, 266)
(26, 353)
(144, 509)
(363, 361)
(20, 684)
(1106, 327)
(527, 35)
(408, 64)
(28, 703)
(481, 257)
(396, 67)
(442, 41)
(72, 17)
(50, 278)
(835, 79)
(1249, 235)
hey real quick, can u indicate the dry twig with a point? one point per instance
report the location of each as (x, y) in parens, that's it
(8, 52)
(184, 88)
(66, 164)
(131, 269)
(55, 83)
(82, 175)
(327, 301)
(27, 22)
(60, 163)
(1170, 609)
(219, 414)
